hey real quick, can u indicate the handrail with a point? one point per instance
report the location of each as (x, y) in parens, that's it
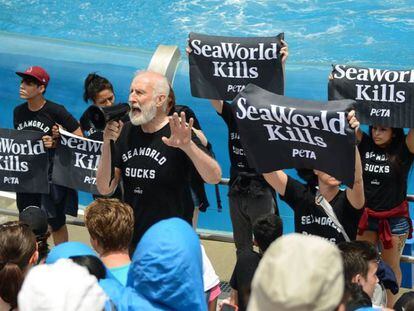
(225, 181)
(75, 221)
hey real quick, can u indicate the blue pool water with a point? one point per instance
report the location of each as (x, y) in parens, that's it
(72, 38)
(319, 32)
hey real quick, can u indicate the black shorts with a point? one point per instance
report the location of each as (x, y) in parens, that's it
(59, 202)
(24, 200)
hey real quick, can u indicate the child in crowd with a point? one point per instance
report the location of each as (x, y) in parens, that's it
(36, 219)
(266, 229)
(63, 285)
(110, 224)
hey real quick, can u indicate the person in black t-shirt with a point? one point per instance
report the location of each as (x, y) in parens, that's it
(153, 156)
(266, 229)
(250, 196)
(387, 155)
(39, 114)
(310, 218)
(100, 92)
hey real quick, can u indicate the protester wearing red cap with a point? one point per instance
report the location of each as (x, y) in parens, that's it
(40, 114)
(36, 72)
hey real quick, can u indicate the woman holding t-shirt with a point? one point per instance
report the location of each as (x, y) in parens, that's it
(387, 155)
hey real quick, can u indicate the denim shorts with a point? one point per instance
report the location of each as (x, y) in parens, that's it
(398, 225)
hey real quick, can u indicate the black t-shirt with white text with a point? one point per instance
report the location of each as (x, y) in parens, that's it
(238, 160)
(385, 185)
(155, 176)
(43, 119)
(311, 219)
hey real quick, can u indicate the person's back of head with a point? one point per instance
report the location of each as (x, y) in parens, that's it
(266, 229)
(18, 251)
(93, 264)
(298, 273)
(166, 267)
(62, 285)
(355, 298)
(360, 264)
(36, 219)
(405, 302)
(110, 224)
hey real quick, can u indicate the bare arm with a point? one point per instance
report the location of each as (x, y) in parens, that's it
(358, 135)
(78, 132)
(217, 104)
(233, 297)
(103, 175)
(206, 166)
(201, 136)
(356, 195)
(410, 140)
(284, 52)
(278, 180)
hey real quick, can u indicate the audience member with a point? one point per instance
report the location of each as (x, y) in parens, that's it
(266, 229)
(355, 297)
(360, 260)
(36, 219)
(166, 267)
(298, 272)
(18, 253)
(62, 286)
(405, 302)
(94, 265)
(211, 282)
(110, 224)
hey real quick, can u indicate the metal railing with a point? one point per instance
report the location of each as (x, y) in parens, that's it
(228, 238)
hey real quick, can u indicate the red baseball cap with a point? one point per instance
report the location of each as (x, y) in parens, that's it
(36, 72)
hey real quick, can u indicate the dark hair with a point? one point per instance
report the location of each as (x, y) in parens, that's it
(405, 302)
(93, 264)
(42, 246)
(356, 257)
(355, 298)
(17, 246)
(32, 80)
(171, 102)
(266, 229)
(394, 149)
(111, 223)
(309, 177)
(95, 84)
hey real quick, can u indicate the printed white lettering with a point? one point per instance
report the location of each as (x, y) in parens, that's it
(303, 153)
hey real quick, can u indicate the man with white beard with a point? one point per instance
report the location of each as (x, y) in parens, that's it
(153, 156)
